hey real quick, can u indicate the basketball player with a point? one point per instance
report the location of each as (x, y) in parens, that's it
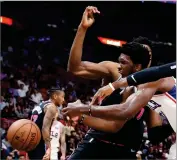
(57, 136)
(43, 115)
(98, 144)
(141, 77)
(106, 69)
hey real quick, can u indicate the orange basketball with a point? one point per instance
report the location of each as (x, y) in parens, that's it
(24, 135)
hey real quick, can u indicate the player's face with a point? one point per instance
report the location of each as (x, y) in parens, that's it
(127, 65)
(60, 98)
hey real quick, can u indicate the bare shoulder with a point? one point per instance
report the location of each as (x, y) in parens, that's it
(50, 108)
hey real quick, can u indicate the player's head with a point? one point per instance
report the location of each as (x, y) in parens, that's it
(134, 57)
(58, 96)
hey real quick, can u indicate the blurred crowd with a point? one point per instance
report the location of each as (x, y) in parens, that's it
(25, 85)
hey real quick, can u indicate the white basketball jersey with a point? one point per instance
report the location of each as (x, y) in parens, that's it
(167, 104)
(56, 130)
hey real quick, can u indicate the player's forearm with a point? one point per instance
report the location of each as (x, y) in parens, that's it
(76, 49)
(147, 75)
(125, 110)
(46, 136)
(121, 83)
(63, 149)
(152, 74)
(101, 124)
(111, 112)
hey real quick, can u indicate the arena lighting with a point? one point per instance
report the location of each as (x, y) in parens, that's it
(112, 42)
(6, 20)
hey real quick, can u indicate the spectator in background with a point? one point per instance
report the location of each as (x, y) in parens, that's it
(22, 91)
(36, 96)
(3, 104)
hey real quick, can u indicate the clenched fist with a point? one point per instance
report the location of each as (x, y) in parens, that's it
(88, 18)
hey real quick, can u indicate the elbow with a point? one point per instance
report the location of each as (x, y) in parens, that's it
(127, 115)
(69, 68)
(72, 69)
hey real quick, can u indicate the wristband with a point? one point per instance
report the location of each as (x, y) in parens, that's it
(111, 86)
(90, 112)
(82, 119)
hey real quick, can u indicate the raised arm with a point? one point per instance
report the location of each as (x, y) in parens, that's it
(81, 68)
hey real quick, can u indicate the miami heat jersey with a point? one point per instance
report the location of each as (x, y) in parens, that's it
(38, 113)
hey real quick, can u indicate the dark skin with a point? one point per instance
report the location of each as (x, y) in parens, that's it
(95, 71)
(131, 106)
(85, 69)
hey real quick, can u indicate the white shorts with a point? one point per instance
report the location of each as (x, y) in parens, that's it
(54, 154)
(172, 152)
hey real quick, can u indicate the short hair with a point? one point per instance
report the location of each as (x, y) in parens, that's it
(53, 91)
(138, 53)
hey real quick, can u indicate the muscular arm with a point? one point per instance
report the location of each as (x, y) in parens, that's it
(147, 75)
(63, 142)
(103, 125)
(131, 106)
(81, 68)
(47, 122)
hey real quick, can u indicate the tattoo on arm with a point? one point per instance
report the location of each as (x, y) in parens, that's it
(63, 142)
(47, 122)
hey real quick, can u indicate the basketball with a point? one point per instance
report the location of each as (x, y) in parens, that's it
(24, 135)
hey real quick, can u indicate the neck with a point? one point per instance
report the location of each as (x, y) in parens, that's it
(53, 101)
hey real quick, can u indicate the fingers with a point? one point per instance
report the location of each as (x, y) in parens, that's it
(97, 96)
(92, 9)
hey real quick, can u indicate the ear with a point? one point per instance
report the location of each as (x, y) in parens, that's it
(137, 67)
(54, 96)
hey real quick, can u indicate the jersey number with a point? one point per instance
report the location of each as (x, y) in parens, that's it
(34, 118)
(54, 135)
